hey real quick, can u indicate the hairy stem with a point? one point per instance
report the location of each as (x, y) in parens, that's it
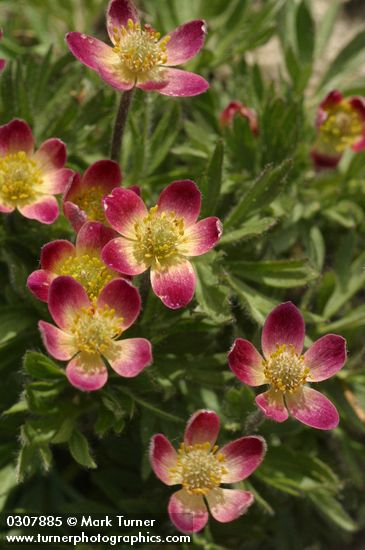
(254, 421)
(119, 125)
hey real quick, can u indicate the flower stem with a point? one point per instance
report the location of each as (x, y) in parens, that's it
(254, 421)
(120, 123)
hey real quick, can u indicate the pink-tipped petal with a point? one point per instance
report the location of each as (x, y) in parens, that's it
(44, 210)
(57, 181)
(58, 343)
(119, 254)
(183, 83)
(16, 136)
(66, 298)
(246, 363)
(6, 209)
(185, 42)
(103, 173)
(75, 215)
(118, 13)
(89, 50)
(187, 512)
(163, 457)
(2, 64)
(74, 187)
(87, 372)
(201, 237)
(92, 237)
(152, 85)
(203, 427)
(228, 504)
(123, 208)
(325, 357)
(183, 198)
(175, 286)
(272, 405)
(130, 357)
(242, 457)
(124, 298)
(53, 254)
(358, 145)
(51, 155)
(284, 325)
(313, 409)
(39, 282)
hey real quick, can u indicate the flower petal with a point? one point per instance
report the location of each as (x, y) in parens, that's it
(66, 298)
(324, 160)
(56, 182)
(44, 210)
(55, 253)
(58, 343)
(163, 457)
(272, 405)
(185, 42)
(92, 237)
(284, 325)
(103, 173)
(118, 13)
(228, 504)
(182, 83)
(51, 155)
(201, 237)
(119, 254)
(187, 512)
(203, 427)
(123, 208)
(89, 50)
(325, 357)
(16, 136)
(6, 209)
(246, 363)
(175, 286)
(313, 409)
(124, 298)
(87, 372)
(111, 74)
(130, 357)
(2, 64)
(39, 282)
(183, 198)
(75, 215)
(242, 457)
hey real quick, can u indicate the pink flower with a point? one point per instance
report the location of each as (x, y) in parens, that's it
(88, 332)
(2, 61)
(82, 262)
(287, 371)
(139, 57)
(160, 238)
(237, 108)
(200, 468)
(341, 124)
(28, 180)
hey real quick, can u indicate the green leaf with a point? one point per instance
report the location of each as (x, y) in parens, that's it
(212, 296)
(164, 137)
(257, 304)
(79, 449)
(306, 32)
(326, 26)
(40, 366)
(279, 273)
(332, 510)
(351, 52)
(261, 193)
(212, 181)
(250, 229)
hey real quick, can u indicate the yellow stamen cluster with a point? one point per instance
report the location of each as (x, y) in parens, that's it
(89, 201)
(199, 468)
(20, 179)
(342, 127)
(140, 50)
(158, 237)
(95, 328)
(89, 271)
(285, 369)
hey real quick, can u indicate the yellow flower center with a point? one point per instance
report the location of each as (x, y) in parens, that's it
(199, 468)
(89, 201)
(89, 271)
(342, 127)
(158, 237)
(19, 179)
(140, 50)
(285, 369)
(95, 329)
